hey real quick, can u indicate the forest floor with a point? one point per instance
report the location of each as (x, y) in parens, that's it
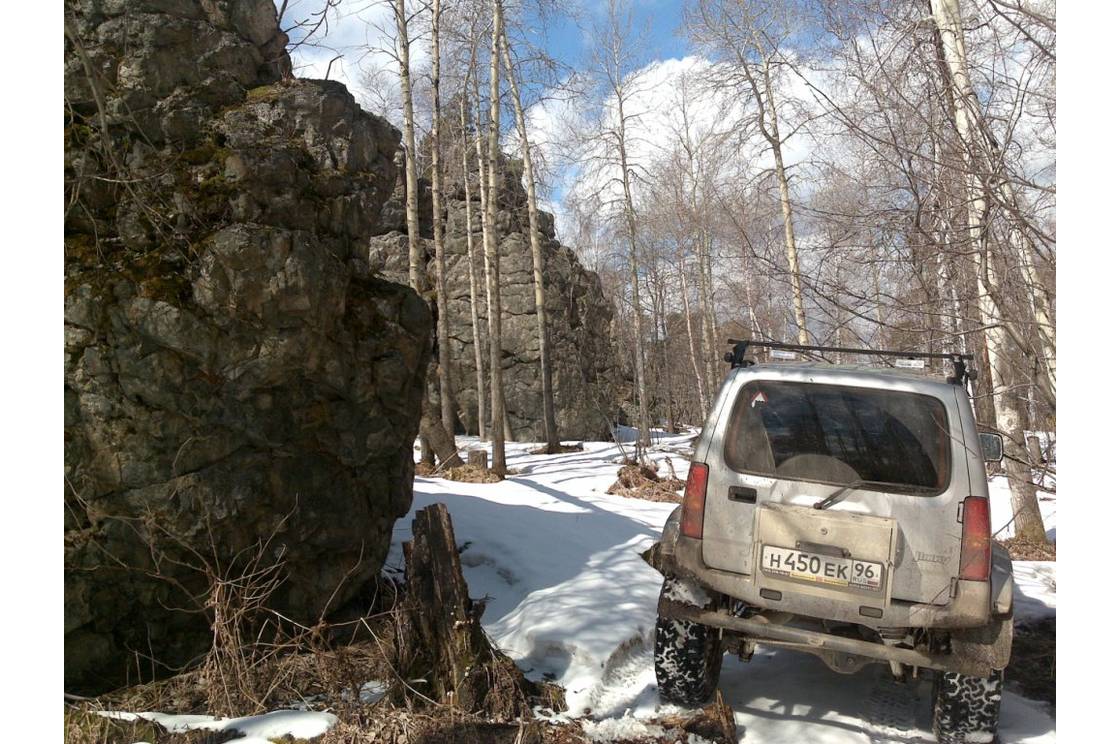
(569, 598)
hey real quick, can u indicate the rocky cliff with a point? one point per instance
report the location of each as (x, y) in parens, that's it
(234, 373)
(586, 373)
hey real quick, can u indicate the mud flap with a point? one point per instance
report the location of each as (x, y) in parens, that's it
(984, 649)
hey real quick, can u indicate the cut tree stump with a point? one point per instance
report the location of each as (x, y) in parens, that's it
(478, 458)
(451, 651)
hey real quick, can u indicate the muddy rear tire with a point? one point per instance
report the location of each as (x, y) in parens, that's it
(966, 709)
(688, 655)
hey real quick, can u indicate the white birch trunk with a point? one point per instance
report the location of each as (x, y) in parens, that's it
(1028, 518)
(551, 436)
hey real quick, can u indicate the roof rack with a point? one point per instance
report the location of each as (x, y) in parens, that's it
(737, 356)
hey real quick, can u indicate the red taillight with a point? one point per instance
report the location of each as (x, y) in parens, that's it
(695, 490)
(976, 540)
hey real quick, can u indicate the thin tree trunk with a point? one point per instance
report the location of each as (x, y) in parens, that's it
(551, 436)
(432, 432)
(446, 399)
(412, 210)
(701, 393)
(791, 247)
(707, 317)
(476, 335)
(632, 239)
(498, 423)
(666, 371)
(984, 162)
(489, 239)
(1024, 501)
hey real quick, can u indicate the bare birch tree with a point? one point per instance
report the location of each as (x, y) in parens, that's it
(1000, 347)
(493, 273)
(749, 34)
(614, 67)
(551, 436)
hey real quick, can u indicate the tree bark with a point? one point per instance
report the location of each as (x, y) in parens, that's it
(701, 388)
(412, 211)
(1024, 500)
(551, 436)
(431, 430)
(443, 341)
(497, 398)
(476, 335)
(787, 220)
(450, 649)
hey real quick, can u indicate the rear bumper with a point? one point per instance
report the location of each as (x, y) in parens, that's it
(970, 607)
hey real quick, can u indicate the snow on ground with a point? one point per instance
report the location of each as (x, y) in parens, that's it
(298, 724)
(570, 600)
(1036, 589)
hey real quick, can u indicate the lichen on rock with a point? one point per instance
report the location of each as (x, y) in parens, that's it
(234, 371)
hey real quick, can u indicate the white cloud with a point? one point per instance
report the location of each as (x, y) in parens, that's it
(352, 41)
(666, 93)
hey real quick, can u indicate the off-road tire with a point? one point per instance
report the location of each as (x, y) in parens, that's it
(966, 709)
(687, 658)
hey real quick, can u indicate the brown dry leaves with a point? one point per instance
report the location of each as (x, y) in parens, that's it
(643, 482)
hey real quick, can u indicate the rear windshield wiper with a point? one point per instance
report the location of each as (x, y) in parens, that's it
(838, 494)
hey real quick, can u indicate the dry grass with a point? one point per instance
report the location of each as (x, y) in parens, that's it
(261, 661)
(84, 726)
(386, 725)
(1022, 549)
(472, 474)
(643, 482)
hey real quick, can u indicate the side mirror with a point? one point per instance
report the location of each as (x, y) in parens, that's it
(991, 446)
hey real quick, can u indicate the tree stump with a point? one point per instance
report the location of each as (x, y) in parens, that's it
(478, 458)
(452, 652)
(1034, 449)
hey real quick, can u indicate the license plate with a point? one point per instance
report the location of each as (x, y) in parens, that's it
(822, 569)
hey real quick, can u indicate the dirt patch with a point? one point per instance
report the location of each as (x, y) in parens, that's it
(564, 448)
(425, 469)
(643, 482)
(1033, 669)
(1022, 549)
(472, 474)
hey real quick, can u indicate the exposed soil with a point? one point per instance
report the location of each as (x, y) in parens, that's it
(1022, 549)
(1033, 669)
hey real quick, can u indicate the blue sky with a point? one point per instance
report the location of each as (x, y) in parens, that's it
(660, 19)
(355, 25)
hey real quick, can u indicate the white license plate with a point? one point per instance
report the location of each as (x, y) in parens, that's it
(822, 569)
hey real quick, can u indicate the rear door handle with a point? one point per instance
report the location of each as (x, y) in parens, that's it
(812, 547)
(742, 493)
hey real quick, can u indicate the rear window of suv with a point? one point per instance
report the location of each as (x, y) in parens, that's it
(888, 440)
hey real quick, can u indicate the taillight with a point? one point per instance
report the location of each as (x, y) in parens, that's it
(695, 490)
(976, 540)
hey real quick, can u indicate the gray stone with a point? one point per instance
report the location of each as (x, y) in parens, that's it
(587, 376)
(233, 375)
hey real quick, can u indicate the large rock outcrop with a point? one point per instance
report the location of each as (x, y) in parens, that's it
(586, 371)
(234, 372)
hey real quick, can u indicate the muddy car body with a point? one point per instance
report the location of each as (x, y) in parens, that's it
(843, 512)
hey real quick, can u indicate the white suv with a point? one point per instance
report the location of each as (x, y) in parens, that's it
(844, 512)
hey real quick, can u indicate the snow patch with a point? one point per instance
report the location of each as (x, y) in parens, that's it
(298, 724)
